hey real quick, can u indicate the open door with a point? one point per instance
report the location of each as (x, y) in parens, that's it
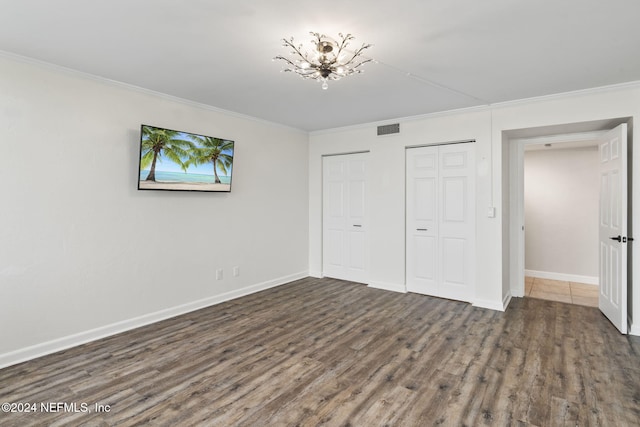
(613, 227)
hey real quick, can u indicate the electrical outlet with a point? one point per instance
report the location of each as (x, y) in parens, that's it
(236, 271)
(219, 274)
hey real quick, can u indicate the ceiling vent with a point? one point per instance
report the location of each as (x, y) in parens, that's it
(389, 129)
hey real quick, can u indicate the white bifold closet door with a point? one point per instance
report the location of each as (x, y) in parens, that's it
(440, 208)
(345, 245)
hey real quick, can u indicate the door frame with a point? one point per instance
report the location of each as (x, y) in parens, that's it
(516, 197)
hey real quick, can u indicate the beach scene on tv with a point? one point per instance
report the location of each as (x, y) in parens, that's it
(173, 160)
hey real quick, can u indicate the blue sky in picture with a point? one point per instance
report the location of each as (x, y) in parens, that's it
(166, 165)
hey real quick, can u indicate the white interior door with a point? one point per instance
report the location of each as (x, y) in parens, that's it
(422, 220)
(345, 244)
(457, 221)
(613, 227)
(440, 234)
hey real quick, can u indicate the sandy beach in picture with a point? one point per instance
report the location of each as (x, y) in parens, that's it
(186, 186)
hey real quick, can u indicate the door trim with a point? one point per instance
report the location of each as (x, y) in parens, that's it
(516, 176)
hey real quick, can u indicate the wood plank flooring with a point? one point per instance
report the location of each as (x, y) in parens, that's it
(324, 352)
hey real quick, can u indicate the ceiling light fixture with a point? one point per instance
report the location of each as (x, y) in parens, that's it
(330, 59)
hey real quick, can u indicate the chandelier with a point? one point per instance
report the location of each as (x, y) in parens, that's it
(330, 59)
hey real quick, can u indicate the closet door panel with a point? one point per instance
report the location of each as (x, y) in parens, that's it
(421, 219)
(440, 219)
(345, 245)
(457, 222)
(424, 259)
(357, 243)
(334, 216)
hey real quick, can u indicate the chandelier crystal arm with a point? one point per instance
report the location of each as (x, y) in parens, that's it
(318, 38)
(359, 52)
(295, 66)
(344, 43)
(288, 61)
(295, 50)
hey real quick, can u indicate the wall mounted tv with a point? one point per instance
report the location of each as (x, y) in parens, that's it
(183, 161)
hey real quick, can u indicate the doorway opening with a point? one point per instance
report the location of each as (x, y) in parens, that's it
(618, 272)
(561, 197)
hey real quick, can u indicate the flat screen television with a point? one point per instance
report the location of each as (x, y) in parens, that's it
(182, 161)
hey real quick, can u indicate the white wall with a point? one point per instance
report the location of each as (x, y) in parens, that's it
(487, 126)
(387, 195)
(83, 254)
(561, 212)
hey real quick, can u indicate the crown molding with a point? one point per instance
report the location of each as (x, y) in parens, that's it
(563, 95)
(486, 107)
(92, 77)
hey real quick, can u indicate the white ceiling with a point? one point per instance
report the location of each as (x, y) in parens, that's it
(433, 55)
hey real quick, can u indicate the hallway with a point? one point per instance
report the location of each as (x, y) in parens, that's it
(561, 291)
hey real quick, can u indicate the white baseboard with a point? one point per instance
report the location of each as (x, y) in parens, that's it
(590, 280)
(493, 305)
(388, 287)
(59, 344)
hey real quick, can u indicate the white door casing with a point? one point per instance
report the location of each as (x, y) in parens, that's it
(440, 234)
(613, 225)
(345, 240)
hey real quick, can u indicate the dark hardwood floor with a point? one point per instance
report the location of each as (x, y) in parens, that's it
(323, 352)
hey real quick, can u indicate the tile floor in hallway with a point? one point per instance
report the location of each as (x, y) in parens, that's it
(559, 290)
